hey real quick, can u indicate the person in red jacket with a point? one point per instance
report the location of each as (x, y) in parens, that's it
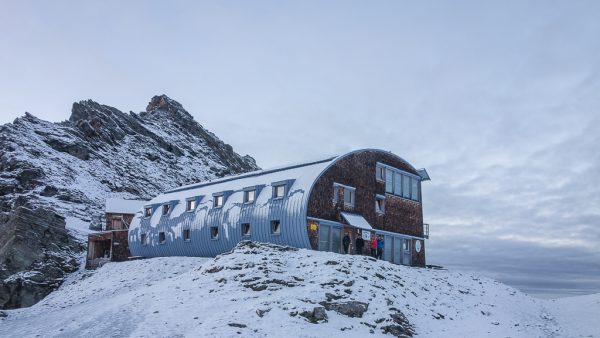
(374, 247)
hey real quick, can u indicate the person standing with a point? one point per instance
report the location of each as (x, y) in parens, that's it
(346, 242)
(380, 245)
(360, 244)
(374, 247)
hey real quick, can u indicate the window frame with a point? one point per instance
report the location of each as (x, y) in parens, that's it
(246, 229)
(212, 236)
(344, 188)
(273, 222)
(275, 190)
(247, 194)
(162, 238)
(216, 198)
(148, 211)
(168, 207)
(379, 173)
(189, 235)
(190, 201)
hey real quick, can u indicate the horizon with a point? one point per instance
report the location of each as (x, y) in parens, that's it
(497, 101)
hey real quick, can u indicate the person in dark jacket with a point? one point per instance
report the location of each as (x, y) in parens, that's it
(360, 244)
(346, 242)
(380, 245)
(374, 247)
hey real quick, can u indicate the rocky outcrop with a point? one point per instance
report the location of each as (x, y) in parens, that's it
(36, 252)
(68, 169)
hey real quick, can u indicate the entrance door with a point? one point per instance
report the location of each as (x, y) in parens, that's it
(324, 242)
(387, 248)
(336, 240)
(406, 259)
(397, 250)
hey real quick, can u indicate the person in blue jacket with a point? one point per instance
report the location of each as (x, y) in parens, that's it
(380, 245)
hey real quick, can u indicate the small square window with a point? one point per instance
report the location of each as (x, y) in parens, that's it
(249, 196)
(214, 232)
(162, 238)
(278, 191)
(166, 208)
(143, 239)
(218, 201)
(186, 234)
(190, 205)
(380, 204)
(148, 212)
(245, 229)
(276, 227)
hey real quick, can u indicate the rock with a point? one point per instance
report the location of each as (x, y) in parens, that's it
(401, 326)
(37, 253)
(317, 315)
(349, 309)
(3, 314)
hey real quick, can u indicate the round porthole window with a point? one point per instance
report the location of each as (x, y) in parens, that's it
(418, 245)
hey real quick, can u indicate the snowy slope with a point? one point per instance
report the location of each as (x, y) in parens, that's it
(270, 291)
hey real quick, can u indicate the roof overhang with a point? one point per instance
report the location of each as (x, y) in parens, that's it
(424, 175)
(357, 221)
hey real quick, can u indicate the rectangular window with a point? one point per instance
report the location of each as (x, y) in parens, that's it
(245, 229)
(143, 239)
(380, 173)
(190, 205)
(218, 201)
(148, 212)
(397, 184)
(249, 196)
(214, 232)
(166, 208)
(389, 178)
(414, 192)
(186, 234)
(348, 196)
(380, 204)
(406, 245)
(405, 186)
(161, 237)
(275, 227)
(279, 191)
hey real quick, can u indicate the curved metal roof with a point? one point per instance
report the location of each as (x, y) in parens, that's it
(291, 211)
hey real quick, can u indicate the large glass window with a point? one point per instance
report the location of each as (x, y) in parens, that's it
(397, 184)
(389, 181)
(405, 186)
(414, 193)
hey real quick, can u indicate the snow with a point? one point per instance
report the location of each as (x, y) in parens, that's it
(357, 221)
(191, 297)
(121, 206)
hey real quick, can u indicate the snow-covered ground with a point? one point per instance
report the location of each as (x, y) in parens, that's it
(271, 291)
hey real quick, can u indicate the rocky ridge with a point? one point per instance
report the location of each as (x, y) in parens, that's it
(55, 173)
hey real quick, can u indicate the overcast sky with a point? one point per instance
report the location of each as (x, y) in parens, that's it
(500, 101)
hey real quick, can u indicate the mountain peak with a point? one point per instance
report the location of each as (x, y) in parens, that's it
(163, 102)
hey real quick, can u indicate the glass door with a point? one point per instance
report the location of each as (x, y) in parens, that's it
(324, 237)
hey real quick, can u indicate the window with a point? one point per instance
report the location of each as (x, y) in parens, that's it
(406, 245)
(249, 196)
(414, 192)
(186, 234)
(397, 184)
(218, 201)
(343, 192)
(143, 239)
(245, 229)
(190, 205)
(389, 180)
(279, 191)
(380, 204)
(161, 237)
(405, 186)
(275, 227)
(214, 232)
(147, 211)
(166, 208)
(348, 196)
(380, 173)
